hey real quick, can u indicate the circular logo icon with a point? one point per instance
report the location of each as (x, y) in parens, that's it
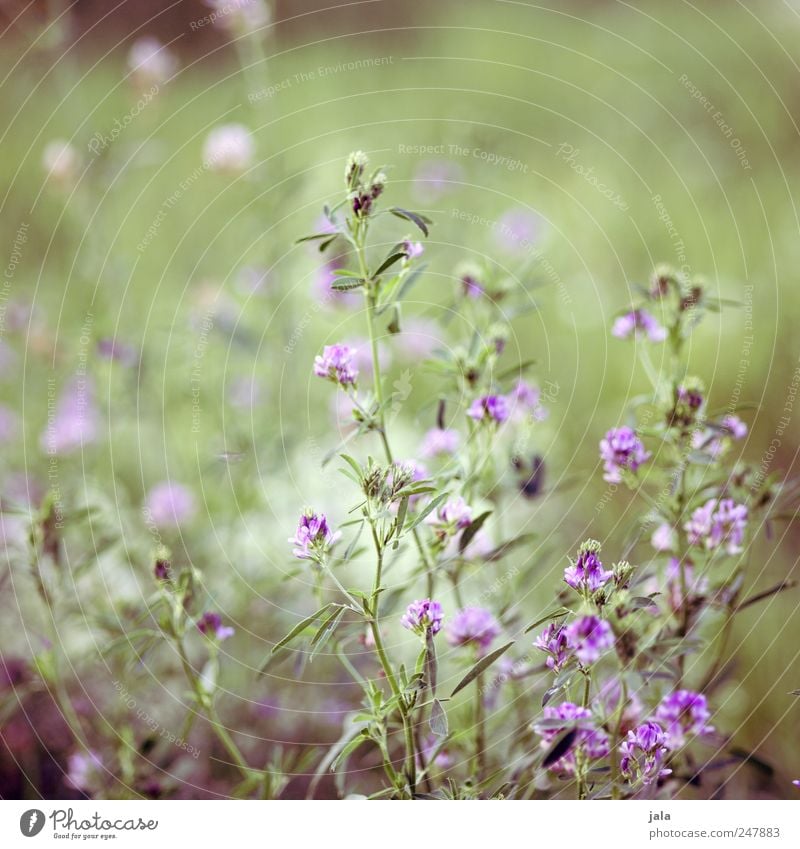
(31, 822)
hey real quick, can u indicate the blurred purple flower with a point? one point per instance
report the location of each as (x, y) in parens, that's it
(621, 449)
(589, 637)
(695, 586)
(435, 178)
(413, 250)
(74, 422)
(636, 323)
(473, 626)
(423, 616)
(489, 408)
(449, 518)
(440, 441)
(84, 770)
(418, 339)
(517, 229)
(643, 753)
(683, 714)
(169, 505)
(526, 399)
(9, 423)
(664, 537)
(110, 348)
(735, 426)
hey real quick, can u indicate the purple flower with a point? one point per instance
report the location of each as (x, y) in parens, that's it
(435, 178)
(169, 505)
(449, 518)
(440, 441)
(735, 426)
(313, 539)
(162, 569)
(473, 626)
(412, 250)
(210, 624)
(517, 229)
(796, 782)
(75, 421)
(489, 408)
(718, 523)
(589, 637)
(471, 286)
(553, 641)
(683, 714)
(636, 323)
(336, 364)
(643, 753)
(587, 573)
(593, 741)
(621, 450)
(664, 538)
(422, 617)
(527, 399)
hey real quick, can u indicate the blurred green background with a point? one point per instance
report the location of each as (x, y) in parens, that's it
(630, 134)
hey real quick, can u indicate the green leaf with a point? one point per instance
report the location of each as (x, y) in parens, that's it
(468, 534)
(553, 614)
(481, 666)
(388, 263)
(438, 720)
(314, 237)
(427, 510)
(414, 217)
(300, 627)
(325, 631)
(345, 284)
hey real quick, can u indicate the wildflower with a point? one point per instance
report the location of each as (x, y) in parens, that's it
(62, 162)
(449, 518)
(735, 426)
(423, 617)
(718, 524)
(589, 637)
(471, 286)
(229, 149)
(683, 714)
(75, 422)
(796, 782)
(313, 539)
(688, 403)
(440, 441)
(553, 641)
(517, 229)
(587, 573)
(664, 538)
(85, 770)
(643, 753)
(592, 741)
(162, 569)
(354, 169)
(412, 250)
(151, 63)
(473, 626)
(636, 323)
(489, 408)
(169, 505)
(210, 624)
(110, 348)
(621, 450)
(336, 364)
(527, 401)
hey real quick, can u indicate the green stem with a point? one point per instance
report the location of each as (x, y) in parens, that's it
(204, 701)
(480, 731)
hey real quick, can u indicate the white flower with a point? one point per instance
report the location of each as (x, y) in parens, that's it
(61, 161)
(229, 149)
(150, 61)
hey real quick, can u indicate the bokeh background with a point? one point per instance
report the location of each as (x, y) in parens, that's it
(574, 144)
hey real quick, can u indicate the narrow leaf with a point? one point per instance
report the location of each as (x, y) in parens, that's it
(553, 614)
(438, 720)
(389, 262)
(468, 534)
(299, 628)
(483, 664)
(561, 746)
(410, 216)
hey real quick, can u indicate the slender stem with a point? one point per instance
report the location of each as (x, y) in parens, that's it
(480, 731)
(210, 711)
